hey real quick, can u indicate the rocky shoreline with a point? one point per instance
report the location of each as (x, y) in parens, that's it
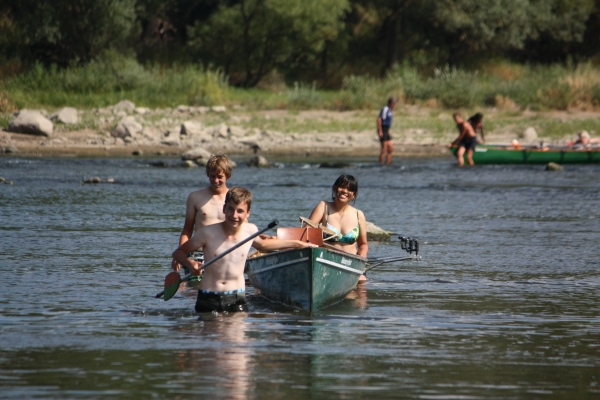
(127, 130)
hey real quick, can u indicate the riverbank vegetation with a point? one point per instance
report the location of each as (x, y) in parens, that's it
(502, 85)
(301, 54)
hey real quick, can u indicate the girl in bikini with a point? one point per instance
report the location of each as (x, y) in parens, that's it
(347, 222)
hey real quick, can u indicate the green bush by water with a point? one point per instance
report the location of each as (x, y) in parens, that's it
(113, 78)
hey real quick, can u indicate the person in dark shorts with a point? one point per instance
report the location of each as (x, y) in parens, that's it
(230, 301)
(466, 141)
(476, 122)
(384, 122)
(223, 286)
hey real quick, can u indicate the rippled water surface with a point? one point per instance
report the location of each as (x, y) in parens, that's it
(505, 303)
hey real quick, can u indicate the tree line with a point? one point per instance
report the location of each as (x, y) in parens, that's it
(319, 41)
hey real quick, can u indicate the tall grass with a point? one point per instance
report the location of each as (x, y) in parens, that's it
(107, 81)
(113, 78)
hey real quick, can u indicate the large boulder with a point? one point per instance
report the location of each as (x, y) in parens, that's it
(127, 127)
(375, 233)
(66, 115)
(31, 122)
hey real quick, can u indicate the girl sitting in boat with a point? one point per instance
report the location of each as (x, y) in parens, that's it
(348, 223)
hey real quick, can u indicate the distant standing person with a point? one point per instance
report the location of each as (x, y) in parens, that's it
(205, 206)
(476, 122)
(384, 122)
(466, 140)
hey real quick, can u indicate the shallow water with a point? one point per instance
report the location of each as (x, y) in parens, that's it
(505, 303)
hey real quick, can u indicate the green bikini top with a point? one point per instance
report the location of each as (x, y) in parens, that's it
(349, 238)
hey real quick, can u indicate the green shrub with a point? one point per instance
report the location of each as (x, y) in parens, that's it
(455, 88)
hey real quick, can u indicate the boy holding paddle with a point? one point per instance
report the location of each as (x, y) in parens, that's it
(205, 206)
(222, 287)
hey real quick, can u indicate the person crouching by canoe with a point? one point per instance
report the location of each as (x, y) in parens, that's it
(466, 140)
(205, 206)
(339, 216)
(222, 287)
(476, 122)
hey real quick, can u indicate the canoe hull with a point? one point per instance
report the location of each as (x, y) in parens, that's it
(505, 155)
(307, 279)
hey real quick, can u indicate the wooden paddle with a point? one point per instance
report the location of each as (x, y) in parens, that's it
(173, 280)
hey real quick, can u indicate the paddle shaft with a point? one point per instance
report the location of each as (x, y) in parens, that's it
(229, 250)
(411, 257)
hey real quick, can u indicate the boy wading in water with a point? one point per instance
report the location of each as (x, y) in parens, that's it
(223, 287)
(466, 140)
(205, 207)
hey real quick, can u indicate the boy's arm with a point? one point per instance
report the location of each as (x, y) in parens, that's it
(180, 254)
(190, 219)
(379, 126)
(277, 244)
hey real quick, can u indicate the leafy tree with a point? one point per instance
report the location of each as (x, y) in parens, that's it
(65, 31)
(249, 38)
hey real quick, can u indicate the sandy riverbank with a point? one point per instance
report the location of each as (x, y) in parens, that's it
(271, 133)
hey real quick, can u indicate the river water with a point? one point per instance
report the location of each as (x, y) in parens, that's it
(504, 305)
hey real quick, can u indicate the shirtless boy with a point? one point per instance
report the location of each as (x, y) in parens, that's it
(466, 140)
(223, 286)
(205, 207)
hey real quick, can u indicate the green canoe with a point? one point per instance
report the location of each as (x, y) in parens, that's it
(502, 154)
(308, 279)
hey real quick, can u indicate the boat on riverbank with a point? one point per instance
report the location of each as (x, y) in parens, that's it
(308, 279)
(522, 154)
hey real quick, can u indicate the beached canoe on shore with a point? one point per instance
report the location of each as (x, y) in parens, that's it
(506, 154)
(307, 279)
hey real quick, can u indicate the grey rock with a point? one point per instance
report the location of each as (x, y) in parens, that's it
(376, 233)
(259, 162)
(218, 109)
(196, 153)
(335, 165)
(529, 136)
(551, 166)
(142, 110)
(221, 131)
(31, 122)
(66, 115)
(191, 128)
(94, 179)
(124, 105)
(10, 149)
(188, 164)
(127, 127)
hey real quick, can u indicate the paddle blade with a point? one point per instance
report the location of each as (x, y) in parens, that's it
(172, 282)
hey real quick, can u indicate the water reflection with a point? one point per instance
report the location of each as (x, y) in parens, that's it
(358, 297)
(222, 358)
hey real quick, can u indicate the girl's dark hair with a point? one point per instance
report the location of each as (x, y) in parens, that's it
(347, 182)
(475, 118)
